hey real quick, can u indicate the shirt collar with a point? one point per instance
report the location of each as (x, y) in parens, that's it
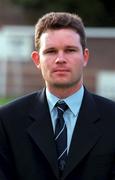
(74, 101)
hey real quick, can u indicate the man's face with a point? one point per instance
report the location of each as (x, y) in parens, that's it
(61, 58)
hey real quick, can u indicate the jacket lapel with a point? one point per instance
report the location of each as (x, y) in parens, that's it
(41, 131)
(86, 133)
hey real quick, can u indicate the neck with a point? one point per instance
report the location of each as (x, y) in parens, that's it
(63, 92)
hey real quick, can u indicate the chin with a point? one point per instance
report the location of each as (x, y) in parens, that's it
(61, 85)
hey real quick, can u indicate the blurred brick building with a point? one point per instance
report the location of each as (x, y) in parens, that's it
(19, 76)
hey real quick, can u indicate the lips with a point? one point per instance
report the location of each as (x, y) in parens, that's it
(61, 70)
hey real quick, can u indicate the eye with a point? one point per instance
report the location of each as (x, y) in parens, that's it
(70, 50)
(50, 51)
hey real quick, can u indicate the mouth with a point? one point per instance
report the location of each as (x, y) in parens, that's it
(61, 70)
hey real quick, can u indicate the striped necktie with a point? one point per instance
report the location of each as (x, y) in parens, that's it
(61, 135)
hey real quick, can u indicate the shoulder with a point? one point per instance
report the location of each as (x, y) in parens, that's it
(99, 100)
(103, 101)
(21, 103)
(104, 105)
(101, 107)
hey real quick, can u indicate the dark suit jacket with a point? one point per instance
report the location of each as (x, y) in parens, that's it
(27, 147)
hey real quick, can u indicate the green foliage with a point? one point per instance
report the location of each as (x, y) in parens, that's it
(28, 3)
(93, 12)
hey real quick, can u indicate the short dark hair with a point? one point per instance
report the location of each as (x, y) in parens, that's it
(60, 20)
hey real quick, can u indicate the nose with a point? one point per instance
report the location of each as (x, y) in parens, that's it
(60, 58)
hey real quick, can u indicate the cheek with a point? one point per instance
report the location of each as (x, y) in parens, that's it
(44, 68)
(78, 66)
(77, 62)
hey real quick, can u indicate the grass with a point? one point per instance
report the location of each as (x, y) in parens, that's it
(5, 100)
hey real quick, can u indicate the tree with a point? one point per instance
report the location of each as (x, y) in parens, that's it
(93, 12)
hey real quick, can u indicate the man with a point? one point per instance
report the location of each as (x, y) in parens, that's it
(29, 126)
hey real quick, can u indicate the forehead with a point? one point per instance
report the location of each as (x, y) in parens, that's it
(61, 36)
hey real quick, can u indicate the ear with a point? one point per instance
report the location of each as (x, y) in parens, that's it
(86, 56)
(35, 58)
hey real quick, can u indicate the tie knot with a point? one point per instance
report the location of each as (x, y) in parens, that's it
(61, 106)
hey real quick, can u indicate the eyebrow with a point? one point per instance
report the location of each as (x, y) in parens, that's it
(68, 46)
(71, 46)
